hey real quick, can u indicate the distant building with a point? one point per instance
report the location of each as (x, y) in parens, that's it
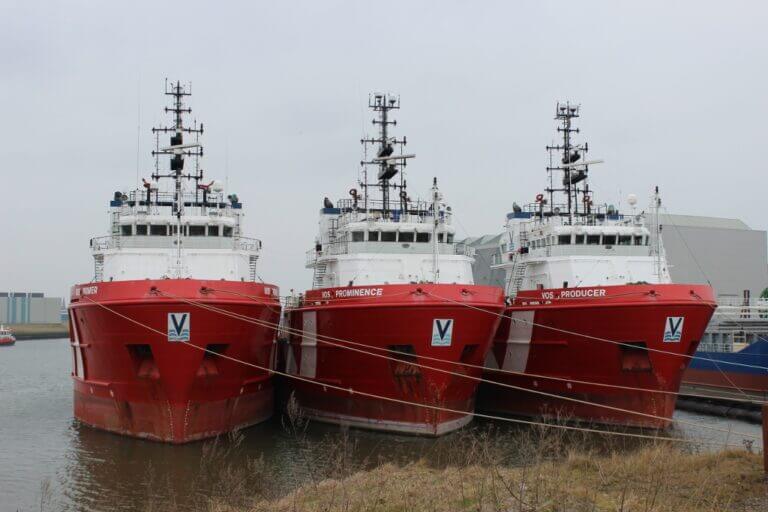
(29, 308)
(726, 253)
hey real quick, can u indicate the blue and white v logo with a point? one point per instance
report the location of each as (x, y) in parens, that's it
(673, 329)
(178, 326)
(442, 332)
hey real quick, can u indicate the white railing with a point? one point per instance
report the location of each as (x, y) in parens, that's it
(240, 243)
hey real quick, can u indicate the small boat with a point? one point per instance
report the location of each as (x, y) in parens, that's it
(6, 337)
(389, 280)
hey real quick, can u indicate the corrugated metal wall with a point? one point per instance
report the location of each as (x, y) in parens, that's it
(24, 308)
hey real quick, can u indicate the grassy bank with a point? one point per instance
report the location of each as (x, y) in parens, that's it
(539, 469)
(39, 331)
(652, 479)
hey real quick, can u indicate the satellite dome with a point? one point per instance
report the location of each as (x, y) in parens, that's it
(632, 199)
(217, 186)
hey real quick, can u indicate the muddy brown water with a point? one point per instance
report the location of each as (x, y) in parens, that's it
(46, 454)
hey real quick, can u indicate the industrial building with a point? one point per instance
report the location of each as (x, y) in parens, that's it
(725, 253)
(29, 308)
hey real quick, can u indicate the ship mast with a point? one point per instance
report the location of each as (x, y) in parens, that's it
(388, 164)
(573, 171)
(177, 150)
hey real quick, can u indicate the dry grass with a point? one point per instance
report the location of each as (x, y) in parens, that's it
(32, 331)
(655, 478)
(533, 470)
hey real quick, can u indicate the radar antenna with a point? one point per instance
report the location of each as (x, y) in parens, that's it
(177, 149)
(388, 163)
(572, 163)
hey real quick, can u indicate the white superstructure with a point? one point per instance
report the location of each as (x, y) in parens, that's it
(177, 233)
(364, 241)
(576, 243)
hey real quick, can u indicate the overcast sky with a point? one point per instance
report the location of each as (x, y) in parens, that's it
(672, 93)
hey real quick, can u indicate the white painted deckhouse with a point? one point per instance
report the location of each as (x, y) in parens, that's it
(363, 241)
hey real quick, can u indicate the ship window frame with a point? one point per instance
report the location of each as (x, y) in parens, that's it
(141, 230)
(406, 236)
(126, 232)
(440, 237)
(195, 230)
(389, 236)
(579, 239)
(422, 238)
(563, 239)
(154, 230)
(210, 229)
(637, 240)
(591, 239)
(373, 236)
(358, 236)
(625, 240)
(449, 238)
(227, 231)
(609, 240)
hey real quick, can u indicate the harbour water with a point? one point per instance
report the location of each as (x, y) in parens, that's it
(46, 455)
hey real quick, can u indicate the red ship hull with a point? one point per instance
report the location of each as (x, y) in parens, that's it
(412, 319)
(638, 315)
(138, 382)
(7, 341)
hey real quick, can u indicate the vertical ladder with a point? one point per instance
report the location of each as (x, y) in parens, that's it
(98, 270)
(319, 277)
(252, 268)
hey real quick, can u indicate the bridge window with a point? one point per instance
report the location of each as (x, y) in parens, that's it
(141, 229)
(407, 236)
(358, 236)
(440, 237)
(593, 239)
(422, 237)
(609, 239)
(126, 230)
(196, 230)
(388, 236)
(564, 239)
(450, 238)
(373, 236)
(213, 230)
(639, 240)
(228, 231)
(579, 239)
(625, 240)
(156, 230)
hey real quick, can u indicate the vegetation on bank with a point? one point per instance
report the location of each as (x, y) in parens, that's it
(656, 478)
(484, 469)
(39, 331)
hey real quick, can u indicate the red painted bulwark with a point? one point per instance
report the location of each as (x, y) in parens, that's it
(394, 317)
(133, 381)
(633, 314)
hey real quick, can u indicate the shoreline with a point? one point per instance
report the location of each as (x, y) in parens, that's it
(24, 332)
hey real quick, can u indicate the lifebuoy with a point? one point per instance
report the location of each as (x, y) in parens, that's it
(353, 192)
(539, 198)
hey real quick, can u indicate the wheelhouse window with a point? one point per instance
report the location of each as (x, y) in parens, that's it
(625, 240)
(564, 239)
(422, 237)
(373, 236)
(609, 239)
(407, 236)
(196, 230)
(639, 240)
(126, 230)
(358, 236)
(440, 237)
(388, 236)
(158, 230)
(579, 239)
(449, 238)
(141, 229)
(213, 230)
(593, 239)
(228, 231)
